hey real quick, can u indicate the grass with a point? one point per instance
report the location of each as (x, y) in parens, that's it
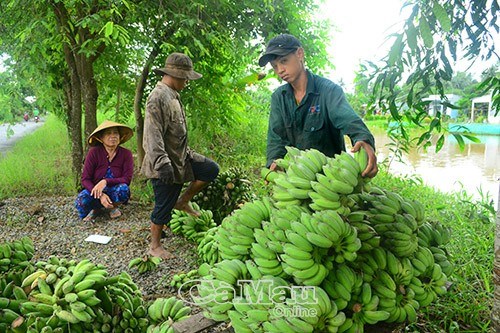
(40, 164)
(467, 307)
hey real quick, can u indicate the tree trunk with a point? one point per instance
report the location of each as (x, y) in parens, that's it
(74, 116)
(73, 94)
(89, 93)
(138, 100)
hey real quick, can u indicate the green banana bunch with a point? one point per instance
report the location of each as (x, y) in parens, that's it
(224, 245)
(215, 298)
(401, 269)
(398, 232)
(255, 305)
(177, 221)
(313, 312)
(192, 227)
(361, 157)
(183, 280)
(68, 299)
(15, 257)
(63, 295)
(341, 283)
(433, 282)
(403, 308)
(433, 234)
(368, 236)
(207, 249)
(128, 307)
(144, 264)
(195, 228)
(293, 186)
(311, 159)
(236, 232)
(219, 286)
(281, 218)
(364, 308)
(223, 195)
(441, 258)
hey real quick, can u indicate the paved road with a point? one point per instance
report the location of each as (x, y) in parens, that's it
(10, 134)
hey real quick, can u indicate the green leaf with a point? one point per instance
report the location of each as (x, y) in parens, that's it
(108, 29)
(434, 123)
(411, 37)
(425, 32)
(423, 137)
(395, 52)
(439, 143)
(442, 16)
(460, 140)
(472, 138)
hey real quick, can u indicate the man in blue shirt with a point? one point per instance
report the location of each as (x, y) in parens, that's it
(310, 111)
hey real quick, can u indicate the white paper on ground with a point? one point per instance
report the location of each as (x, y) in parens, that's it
(98, 239)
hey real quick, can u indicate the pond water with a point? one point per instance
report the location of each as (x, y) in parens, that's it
(475, 168)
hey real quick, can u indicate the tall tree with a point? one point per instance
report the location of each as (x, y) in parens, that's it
(65, 39)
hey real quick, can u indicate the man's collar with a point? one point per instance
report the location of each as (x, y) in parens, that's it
(311, 85)
(175, 92)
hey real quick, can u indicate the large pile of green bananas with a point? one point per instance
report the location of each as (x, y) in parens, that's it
(60, 295)
(369, 254)
(225, 193)
(192, 227)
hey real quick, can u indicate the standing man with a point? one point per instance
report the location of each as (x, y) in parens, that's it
(168, 160)
(310, 111)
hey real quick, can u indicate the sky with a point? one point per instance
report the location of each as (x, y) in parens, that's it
(360, 31)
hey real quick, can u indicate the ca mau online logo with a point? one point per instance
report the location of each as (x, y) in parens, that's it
(284, 300)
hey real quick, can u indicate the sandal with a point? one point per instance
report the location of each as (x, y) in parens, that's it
(90, 217)
(115, 213)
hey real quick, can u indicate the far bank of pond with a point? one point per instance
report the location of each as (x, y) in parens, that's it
(475, 168)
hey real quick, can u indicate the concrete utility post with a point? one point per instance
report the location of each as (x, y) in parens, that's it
(495, 315)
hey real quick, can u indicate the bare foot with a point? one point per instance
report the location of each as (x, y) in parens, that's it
(90, 217)
(161, 252)
(115, 213)
(187, 208)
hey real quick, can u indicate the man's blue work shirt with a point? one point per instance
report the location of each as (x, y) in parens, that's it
(320, 121)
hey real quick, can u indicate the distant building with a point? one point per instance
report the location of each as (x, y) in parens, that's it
(436, 104)
(484, 103)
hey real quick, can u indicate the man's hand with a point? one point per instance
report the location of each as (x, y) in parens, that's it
(166, 174)
(371, 168)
